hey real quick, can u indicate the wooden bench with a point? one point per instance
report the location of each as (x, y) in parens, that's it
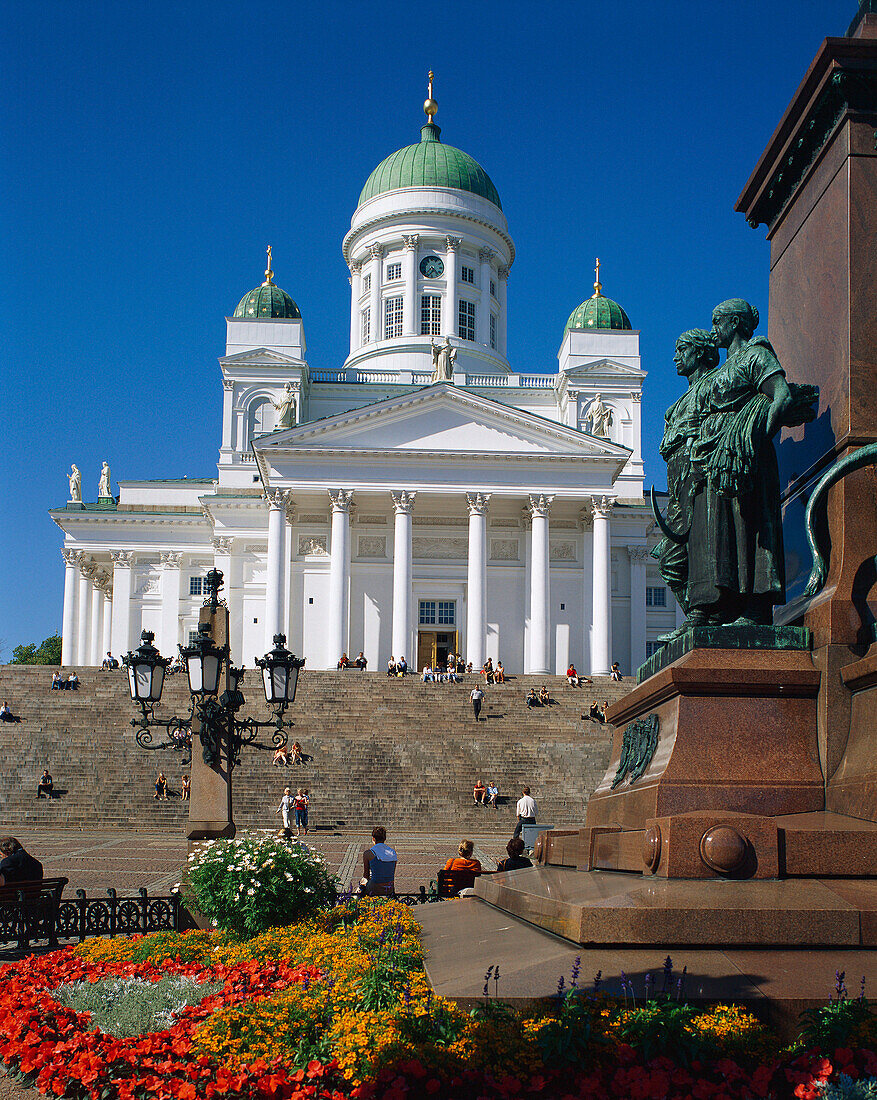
(450, 883)
(29, 911)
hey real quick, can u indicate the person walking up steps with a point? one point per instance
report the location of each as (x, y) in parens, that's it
(286, 804)
(477, 697)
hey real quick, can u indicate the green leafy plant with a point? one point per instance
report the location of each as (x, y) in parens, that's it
(837, 1023)
(845, 1088)
(131, 1006)
(255, 882)
(48, 652)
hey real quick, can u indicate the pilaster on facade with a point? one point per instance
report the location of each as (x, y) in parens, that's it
(376, 251)
(222, 544)
(449, 316)
(409, 280)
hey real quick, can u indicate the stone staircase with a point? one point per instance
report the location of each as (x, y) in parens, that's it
(379, 749)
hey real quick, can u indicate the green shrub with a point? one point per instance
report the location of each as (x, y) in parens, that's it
(256, 882)
(131, 1006)
(844, 1021)
(845, 1088)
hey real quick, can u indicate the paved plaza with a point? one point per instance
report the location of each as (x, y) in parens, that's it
(125, 860)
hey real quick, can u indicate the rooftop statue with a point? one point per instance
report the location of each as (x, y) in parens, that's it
(75, 479)
(443, 359)
(286, 407)
(722, 554)
(104, 491)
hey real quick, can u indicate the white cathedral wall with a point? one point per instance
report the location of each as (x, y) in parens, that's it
(507, 606)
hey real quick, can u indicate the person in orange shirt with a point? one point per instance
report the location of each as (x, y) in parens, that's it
(464, 862)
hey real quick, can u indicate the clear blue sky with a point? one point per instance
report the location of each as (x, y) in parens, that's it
(156, 148)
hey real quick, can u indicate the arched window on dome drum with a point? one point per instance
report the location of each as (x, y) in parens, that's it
(261, 419)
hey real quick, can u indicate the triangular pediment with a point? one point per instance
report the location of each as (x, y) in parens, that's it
(604, 368)
(441, 419)
(260, 357)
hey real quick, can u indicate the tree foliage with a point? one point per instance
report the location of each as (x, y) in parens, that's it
(48, 652)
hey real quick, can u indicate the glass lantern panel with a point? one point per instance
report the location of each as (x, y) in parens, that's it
(132, 682)
(211, 673)
(293, 684)
(157, 682)
(195, 669)
(143, 681)
(279, 677)
(266, 680)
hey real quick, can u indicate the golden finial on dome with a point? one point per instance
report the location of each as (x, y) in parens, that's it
(430, 106)
(598, 286)
(269, 274)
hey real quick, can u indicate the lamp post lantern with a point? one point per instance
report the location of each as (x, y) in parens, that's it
(216, 696)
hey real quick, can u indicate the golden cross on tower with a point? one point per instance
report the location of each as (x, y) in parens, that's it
(430, 106)
(598, 286)
(269, 274)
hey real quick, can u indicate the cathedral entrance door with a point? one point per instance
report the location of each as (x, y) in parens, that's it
(434, 647)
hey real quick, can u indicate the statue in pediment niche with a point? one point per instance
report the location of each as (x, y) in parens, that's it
(599, 417)
(443, 359)
(723, 548)
(286, 415)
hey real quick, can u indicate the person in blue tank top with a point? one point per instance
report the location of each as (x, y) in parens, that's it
(379, 866)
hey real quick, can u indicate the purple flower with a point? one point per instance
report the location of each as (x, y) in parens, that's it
(560, 985)
(576, 967)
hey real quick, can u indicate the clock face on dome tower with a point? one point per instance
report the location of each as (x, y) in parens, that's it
(431, 267)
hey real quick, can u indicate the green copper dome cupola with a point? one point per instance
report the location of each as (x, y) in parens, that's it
(267, 302)
(598, 311)
(430, 163)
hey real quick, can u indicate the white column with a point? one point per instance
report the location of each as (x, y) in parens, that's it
(106, 643)
(540, 585)
(68, 623)
(601, 639)
(638, 557)
(169, 630)
(502, 277)
(404, 504)
(83, 649)
(449, 320)
(121, 632)
(94, 630)
(476, 593)
(228, 443)
(274, 582)
(355, 294)
(377, 321)
(339, 575)
(485, 256)
(527, 527)
(410, 326)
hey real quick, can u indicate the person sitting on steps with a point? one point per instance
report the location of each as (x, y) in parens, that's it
(45, 784)
(361, 662)
(379, 866)
(160, 788)
(391, 666)
(492, 794)
(544, 697)
(572, 677)
(296, 754)
(532, 699)
(478, 792)
(343, 662)
(615, 672)
(185, 788)
(499, 675)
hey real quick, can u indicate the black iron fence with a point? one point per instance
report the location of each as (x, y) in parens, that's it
(115, 916)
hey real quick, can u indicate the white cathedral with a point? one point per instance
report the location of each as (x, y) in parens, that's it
(420, 499)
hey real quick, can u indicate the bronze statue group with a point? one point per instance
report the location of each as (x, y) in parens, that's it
(722, 551)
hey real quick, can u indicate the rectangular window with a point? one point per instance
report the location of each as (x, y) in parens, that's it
(392, 317)
(427, 613)
(652, 648)
(493, 330)
(394, 271)
(193, 637)
(656, 597)
(466, 320)
(447, 612)
(467, 274)
(196, 586)
(366, 283)
(492, 288)
(430, 315)
(365, 326)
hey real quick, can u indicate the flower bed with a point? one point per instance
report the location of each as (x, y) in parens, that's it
(338, 1006)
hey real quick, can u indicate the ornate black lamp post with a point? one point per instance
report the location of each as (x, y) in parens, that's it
(212, 715)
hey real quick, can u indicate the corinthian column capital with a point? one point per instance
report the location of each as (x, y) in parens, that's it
(403, 501)
(341, 499)
(478, 503)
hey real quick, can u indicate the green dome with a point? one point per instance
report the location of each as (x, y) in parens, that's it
(430, 164)
(598, 312)
(267, 300)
